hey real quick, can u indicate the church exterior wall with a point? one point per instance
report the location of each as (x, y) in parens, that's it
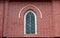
(13, 26)
(1, 17)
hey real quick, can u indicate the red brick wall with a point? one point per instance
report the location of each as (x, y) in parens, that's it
(15, 25)
(48, 26)
(1, 17)
(56, 17)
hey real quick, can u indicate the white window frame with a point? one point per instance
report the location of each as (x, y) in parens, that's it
(25, 21)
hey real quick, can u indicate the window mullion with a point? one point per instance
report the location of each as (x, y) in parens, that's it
(30, 22)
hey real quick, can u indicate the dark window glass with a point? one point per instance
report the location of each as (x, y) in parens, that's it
(30, 23)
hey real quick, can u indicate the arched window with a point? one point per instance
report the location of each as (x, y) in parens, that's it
(30, 25)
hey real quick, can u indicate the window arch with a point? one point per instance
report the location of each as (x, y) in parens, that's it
(30, 22)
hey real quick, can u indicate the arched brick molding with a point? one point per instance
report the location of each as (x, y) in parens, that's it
(22, 13)
(32, 7)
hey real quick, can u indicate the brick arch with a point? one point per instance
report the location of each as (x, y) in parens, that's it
(22, 13)
(30, 7)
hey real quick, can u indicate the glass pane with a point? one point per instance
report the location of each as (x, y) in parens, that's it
(32, 23)
(28, 23)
